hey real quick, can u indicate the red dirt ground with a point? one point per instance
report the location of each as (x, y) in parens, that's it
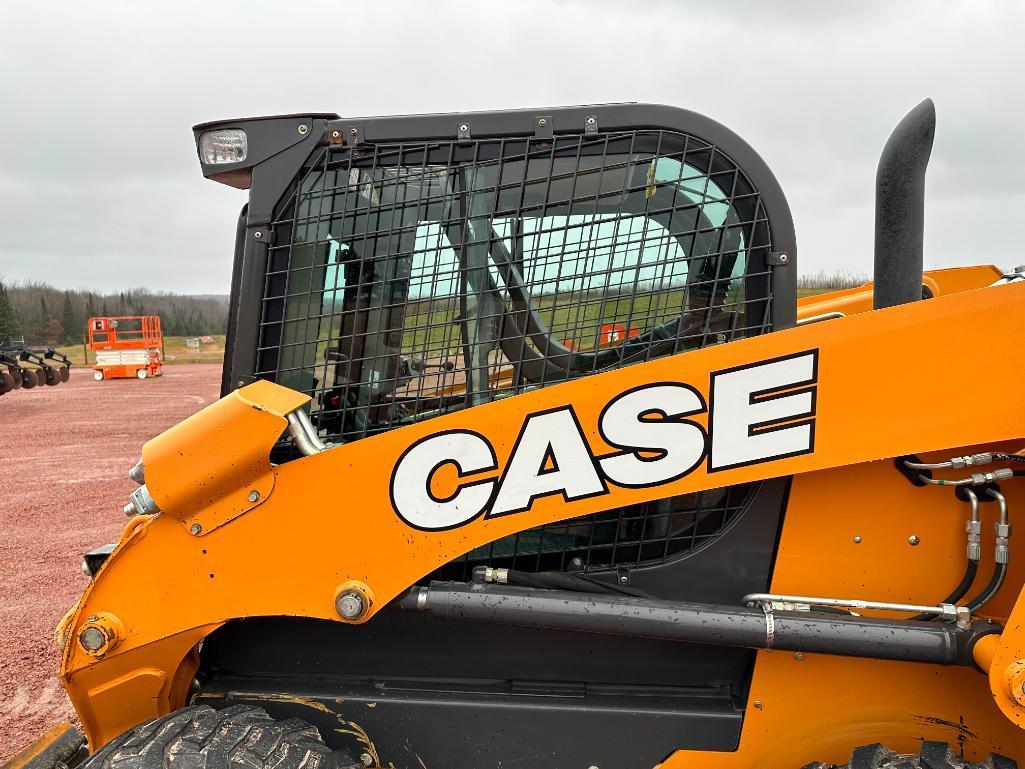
(65, 453)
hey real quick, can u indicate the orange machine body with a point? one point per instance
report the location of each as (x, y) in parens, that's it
(886, 383)
(127, 346)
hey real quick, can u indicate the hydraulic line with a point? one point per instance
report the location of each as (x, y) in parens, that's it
(990, 590)
(974, 529)
(1002, 554)
(971, 570)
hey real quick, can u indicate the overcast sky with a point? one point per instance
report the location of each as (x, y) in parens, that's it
(101, 188)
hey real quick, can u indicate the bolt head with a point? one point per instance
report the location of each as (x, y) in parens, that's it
(195, 529)
(591, 121)
(758, 704)
(623, 580)
(350, 605)
(92, 639)
(784, 258)
(303, 129)
(353, 132)
(913, 540)
(542, 122)
(254, 496)
(335, 134)
(464, 127)
(799, 656)
(857, 540)
(258, 235)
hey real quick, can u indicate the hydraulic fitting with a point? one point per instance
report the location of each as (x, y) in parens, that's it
(1002, 554)
(974, 528)
(1003, 474)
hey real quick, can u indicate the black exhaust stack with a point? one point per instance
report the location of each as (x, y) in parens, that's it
(900, 208)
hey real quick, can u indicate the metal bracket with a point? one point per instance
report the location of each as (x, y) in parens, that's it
(622, 575)
(544, 127)
(778, 259)
(355, 135)
(264, 235)
(463, 132)
(590, 125)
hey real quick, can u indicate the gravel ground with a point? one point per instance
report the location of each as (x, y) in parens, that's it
(64, 459)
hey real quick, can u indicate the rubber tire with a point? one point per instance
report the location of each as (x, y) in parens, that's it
(236, 737)
(98, 376)
(141, 373)
(933, 755)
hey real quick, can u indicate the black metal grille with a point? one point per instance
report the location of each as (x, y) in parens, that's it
(630, 536)
(413, 279)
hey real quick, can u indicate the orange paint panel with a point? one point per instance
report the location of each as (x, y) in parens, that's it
(886, 384)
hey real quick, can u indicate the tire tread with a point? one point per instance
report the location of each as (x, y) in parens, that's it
(236, 737)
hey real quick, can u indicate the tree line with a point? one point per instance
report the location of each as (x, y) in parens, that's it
(43, 314)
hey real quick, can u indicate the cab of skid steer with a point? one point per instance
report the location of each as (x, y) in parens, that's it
(397, 269)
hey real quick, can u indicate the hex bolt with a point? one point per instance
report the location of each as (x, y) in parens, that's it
(303, 129)
(624, 580)
(254, 496)
(350, 605)
(758, 704)
(196, 529)
(857, 539)
(353, 132)
(799, 656)
(913, 540)
(542, 122)
(464, 127)
(335, 134)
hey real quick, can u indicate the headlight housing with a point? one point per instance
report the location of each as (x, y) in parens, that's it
(226, 145)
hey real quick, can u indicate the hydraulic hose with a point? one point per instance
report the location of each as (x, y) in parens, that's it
(958, 593)
(1001, 555)
(552, 580)
(999, 574)
(974, 529)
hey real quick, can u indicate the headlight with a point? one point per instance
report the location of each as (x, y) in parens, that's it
(227, 145)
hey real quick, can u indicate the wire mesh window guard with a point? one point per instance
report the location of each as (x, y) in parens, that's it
(413, 279)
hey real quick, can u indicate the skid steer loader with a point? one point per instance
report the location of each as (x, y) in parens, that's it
(529, 456)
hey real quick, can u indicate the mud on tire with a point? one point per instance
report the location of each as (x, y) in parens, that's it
(237, 737)
(933, 755)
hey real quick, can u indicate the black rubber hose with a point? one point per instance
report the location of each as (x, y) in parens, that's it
(991, 589)
(560, 580)
(959, 592)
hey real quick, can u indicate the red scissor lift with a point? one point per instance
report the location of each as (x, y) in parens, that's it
(126, 346)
